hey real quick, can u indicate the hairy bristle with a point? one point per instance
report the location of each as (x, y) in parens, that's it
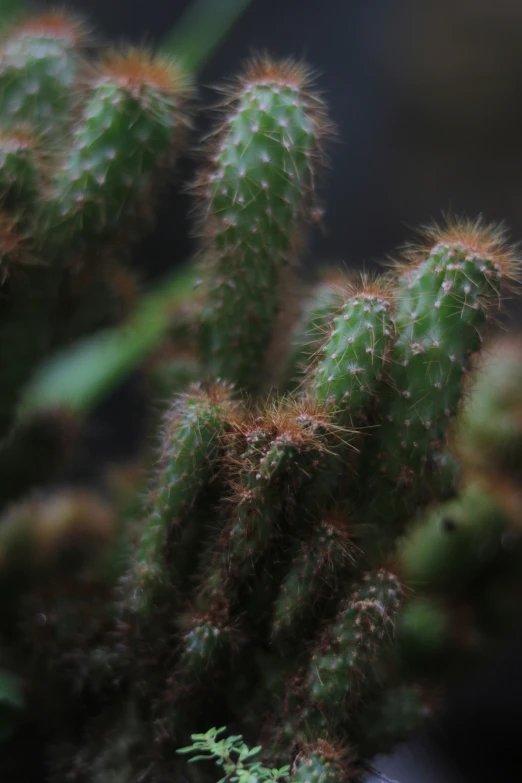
(17, 139)
(337, 278)
(53, 24)
(371, 286)
(331, 751)
(134, 68)
(302, 422)
(474, 237)
(217, 393)
(262, 69)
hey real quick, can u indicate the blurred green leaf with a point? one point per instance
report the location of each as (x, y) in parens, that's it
(201, 29)
(79, 378)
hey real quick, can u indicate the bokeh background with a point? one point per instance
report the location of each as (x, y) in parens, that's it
(427, 99)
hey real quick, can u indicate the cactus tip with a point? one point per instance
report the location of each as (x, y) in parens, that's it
(475, 237)
(134, 68)
(54, 23)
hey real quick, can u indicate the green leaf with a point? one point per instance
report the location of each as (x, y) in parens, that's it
(80, 377)
(201, 29)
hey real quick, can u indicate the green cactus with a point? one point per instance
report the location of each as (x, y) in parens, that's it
(310, 565)
(445, 294)
(352, 359)
(256, 194)
(130, 126)
(40, 60)
(193, 428)
(351, 650)
(317, 567)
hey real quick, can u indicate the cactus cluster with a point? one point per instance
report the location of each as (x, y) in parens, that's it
(310, 559)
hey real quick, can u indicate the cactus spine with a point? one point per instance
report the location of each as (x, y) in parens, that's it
(191, 447)
(106, 177)
(40, 60)
(257, 193)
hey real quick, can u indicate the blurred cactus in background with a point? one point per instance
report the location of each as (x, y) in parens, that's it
(320, 543)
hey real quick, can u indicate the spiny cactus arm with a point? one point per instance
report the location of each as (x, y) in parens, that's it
(130, 127)
(354, 354)
(319, 564)
(255, 196)
(353, 646)
(193, 430)
(345, 380)
(451, 543)
(40, 60)
(250, 528)
(442, 302)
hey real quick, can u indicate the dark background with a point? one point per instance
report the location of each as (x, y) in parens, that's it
(427, 99)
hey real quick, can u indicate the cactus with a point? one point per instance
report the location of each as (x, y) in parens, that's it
(130, 127)
(309, 565)
(350, 651)
(40, 61)
(192, 441)
(256, 194)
